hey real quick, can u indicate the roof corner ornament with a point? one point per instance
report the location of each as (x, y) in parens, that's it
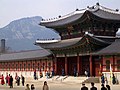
(77, 9)
(97, 4)
(59, 16)
(87, 33)
(88, 7)
(117, 10)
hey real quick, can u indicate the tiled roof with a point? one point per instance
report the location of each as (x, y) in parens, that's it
(61, 44)
(24, 55)
(112, 49)
(72, 42)
(97, 10)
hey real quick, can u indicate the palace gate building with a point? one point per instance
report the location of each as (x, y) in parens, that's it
(88, 42)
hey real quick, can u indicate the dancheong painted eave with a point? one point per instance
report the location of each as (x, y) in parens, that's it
(96, 11)
(69, 43)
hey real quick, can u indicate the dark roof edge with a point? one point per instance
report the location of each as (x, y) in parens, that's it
(90, 9)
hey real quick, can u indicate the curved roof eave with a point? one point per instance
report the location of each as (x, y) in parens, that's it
(64, 21)
(97, 11)
(61, 44)
(70, 42)
(105, 16)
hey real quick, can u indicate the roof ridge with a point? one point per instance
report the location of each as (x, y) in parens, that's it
(109, 10)
(93, 8)
(64, 16)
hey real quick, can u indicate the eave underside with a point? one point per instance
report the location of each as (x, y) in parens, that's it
(85, 45)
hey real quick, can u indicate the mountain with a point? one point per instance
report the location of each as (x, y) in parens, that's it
(21, 34)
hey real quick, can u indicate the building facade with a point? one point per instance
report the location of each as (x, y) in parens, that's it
(84, 36)
(25, 62)
(88, 43)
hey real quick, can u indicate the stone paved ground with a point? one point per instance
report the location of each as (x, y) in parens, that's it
(54, 85)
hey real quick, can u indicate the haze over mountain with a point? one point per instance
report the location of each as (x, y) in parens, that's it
(21, 34)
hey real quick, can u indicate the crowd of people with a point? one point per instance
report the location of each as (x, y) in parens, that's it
(95, 88)
(8, 80)
(48, 74)
(45, 86)
(105, 81)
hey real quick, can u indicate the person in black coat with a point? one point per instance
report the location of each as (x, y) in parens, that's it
(11, 82)
(84, 87)
(23, 79)
(103, 88)
(113, 79)
(93, 87)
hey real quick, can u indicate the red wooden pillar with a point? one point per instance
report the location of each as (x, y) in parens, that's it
(78, 64)
(46, 68)
(102, 57)
(66, 66)
(40, 65)
(91, 68)
(113, 63)
(55, 65)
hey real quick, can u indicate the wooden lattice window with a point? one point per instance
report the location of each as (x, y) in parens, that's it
(43, 66)
(38, 66)
(24, 67)
(13, 66)
(49, 65)
(16, 67)
(9, 66)
(3, 66)
(28, 66)
(107, 64)
(20, 67)
(33, 66)
(118, 64)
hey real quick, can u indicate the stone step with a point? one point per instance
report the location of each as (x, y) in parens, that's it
(92, 79)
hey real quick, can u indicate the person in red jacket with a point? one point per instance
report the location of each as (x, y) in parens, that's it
(2, 80)
(6, 78)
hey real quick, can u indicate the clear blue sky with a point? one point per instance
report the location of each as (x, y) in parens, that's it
(15, 9)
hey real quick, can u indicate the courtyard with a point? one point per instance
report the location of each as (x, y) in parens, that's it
(55, 85)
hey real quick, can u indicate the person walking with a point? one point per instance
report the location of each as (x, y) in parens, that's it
(45, 86)
(102, 79)
(2, 80)
(6, 78)
(32, 87)
(18, 81)
(27, 87)
(113, 79)
(11, 82)
(16, 78)
(35, 74)
(84, 87)
(93, 87)
(23, 80)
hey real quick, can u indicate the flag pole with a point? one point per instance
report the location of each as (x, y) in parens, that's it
(111, 73)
